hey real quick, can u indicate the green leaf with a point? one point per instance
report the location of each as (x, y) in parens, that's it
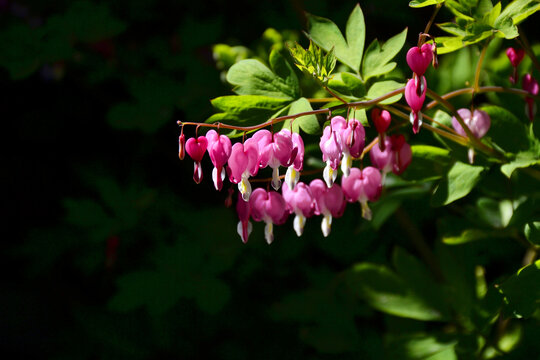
(327, 35)
(419, 346)
(387, 292)
(428, 163)
(422, 3)
(383, 87)
(470, 235)
(522, 291)
(246, 109)
(517, 11)
(532, 232)
(281, 67)
(377, 57)
(252, 77)
(348, 85)
(308, 123)
(313, 61)
(507, 130)
(522, 160)
(459, 181)
(452, 28)
(447, 44)
(495, 213)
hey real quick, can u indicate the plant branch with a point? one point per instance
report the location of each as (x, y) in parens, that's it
(431, 20)
(479, 68)
(524, 42)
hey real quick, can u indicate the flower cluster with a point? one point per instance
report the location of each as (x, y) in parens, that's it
(418, 59)
(342, 142)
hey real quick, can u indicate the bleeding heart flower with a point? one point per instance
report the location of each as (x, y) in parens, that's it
(270, 208)
(515, 56)
(299, 201)
(196, 147)
(329, 202)
(402, 154)
(244, 226)
(383, 159)
(531, 85)
(478, 123)
(243, 163)
(331, 148)
(362, 186)
(419, 58)
(293, 171)
(278, 152)
(415, 94)
(353, 138)
(381, 119)
(219, 149)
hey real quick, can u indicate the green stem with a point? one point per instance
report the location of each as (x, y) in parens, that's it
(479, 68)
(525, 44)
(431, 20)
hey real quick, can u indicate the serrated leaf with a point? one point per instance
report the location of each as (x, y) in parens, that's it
(387, 292)
(383, 87)
(327, 35)
(422, 3)
(459, 181)
(377, 57)
(522, 291)
(252, 77)
(517, 11)
(308, 123)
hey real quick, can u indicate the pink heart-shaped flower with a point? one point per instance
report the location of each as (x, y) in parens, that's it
(196, 147)
(515, 56)
(419, 58)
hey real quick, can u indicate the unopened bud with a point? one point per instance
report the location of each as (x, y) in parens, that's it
(181, 146)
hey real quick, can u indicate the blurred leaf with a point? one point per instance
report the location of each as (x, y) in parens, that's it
(419, 346)
(387, 292)
(447, 44)
(327, 35)
(428, 163)
(422, 3)
(383, 87)
(517, 11)
(226, 56)
(495, 213)
(522, 160)
(377, 57)
(532, 232)
(470, 235)
(504, 123)
(522, 291)
(252, 77)
(308, 123)
(20, 53)
(459, 181)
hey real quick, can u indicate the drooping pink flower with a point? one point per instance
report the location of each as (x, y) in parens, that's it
(353, 138)
(332, 148)
(362, 186)
(479, 122)
(329, 202)
(402, 154)
(383, 159)
(531, 85)
(381, 119)
(299, 201)
(278, 152)
(270, 208)
(419, 58)
(293, 171)
(243, 163)
(415, 94)
(181, 146)
(515, 56)
(244, 226)
(196, 147)
(219, 149)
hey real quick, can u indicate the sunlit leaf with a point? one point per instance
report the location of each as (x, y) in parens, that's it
(377, 57)
(459, 181)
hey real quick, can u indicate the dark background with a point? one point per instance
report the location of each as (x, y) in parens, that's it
(113, 251)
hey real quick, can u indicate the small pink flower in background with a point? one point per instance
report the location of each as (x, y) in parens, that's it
(270, 208)
(515, 57)
(381, 119)
(402, 154)
(181, 146)
(293, 171)
(196, 147)
(478, 122)
(243, 163)
(363, 186)
(383, 159)
(244, 226)
(219, 149)
(329, 202)
(419, 58)
(415, 99)
(353, 139)
(331, 148)
(299, 201)
(530, 85)
(278, 152)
